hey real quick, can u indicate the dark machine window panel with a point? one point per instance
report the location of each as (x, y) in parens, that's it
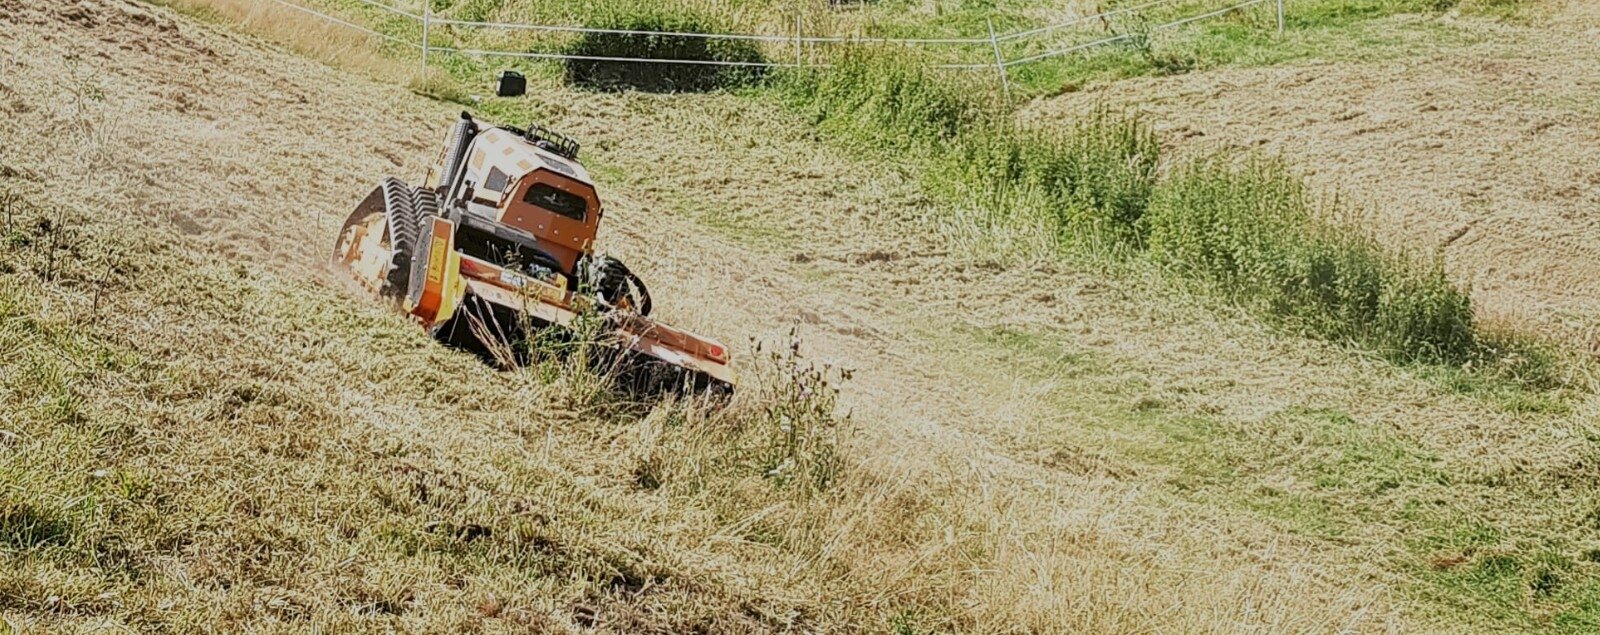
(564, 203)
(497, 180)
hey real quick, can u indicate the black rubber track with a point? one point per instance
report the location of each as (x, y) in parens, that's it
(401, 215)
(613, 281)
(402, 222)
(424, 206)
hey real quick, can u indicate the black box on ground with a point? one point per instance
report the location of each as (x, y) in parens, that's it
(512, 84)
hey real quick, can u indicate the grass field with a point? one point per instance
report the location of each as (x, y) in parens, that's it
(204, 433)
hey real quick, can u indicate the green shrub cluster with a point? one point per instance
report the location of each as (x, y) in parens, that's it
(1094, 178)
(1253, 230)
(662, 77)
(890, 101)
(1091, 180)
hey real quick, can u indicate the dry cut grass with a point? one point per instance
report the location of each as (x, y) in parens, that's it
(310, 36)
(201, 436)
(205, 436)
(196, 446)
(329, 469)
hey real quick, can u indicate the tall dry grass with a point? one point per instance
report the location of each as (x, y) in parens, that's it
(332, 469)
(228, 447)
(313, 37)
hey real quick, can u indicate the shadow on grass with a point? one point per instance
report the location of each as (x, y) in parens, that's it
(24, 526)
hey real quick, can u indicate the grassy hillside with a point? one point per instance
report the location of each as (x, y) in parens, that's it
(207, 433)
(1149, 38)
(192, 445)
(1033, 444)
(1504, 207)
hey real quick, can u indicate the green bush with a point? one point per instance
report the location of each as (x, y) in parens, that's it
(1093, 179)
(893, 101)
(1254, 230)
(660, 77)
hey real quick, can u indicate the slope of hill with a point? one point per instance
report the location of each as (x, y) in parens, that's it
(1486, 150)
(203, 434)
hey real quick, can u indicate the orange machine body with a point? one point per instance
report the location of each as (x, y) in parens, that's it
(534, 190)
(430, 248)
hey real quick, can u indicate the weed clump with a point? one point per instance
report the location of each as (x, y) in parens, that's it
(1094, 178)
(1090, 181)
(709, 64)
(798, 428)
(889, 100)
(1095, 186)
(1255, 231)
(782, 429)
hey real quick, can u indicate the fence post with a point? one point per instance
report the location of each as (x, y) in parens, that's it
(1280, 18)
(798, 29)
(427, 20)
(999, 61)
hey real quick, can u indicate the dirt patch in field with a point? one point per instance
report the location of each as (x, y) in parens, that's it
(1489, 154)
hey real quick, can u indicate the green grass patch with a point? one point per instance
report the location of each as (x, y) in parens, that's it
(1314, 29)
(1250, 230)
(25, 526)
(1498, 554)
(1536, 583)
(1091, 180)
(1255, 231)
(1088, 180)
(882, 101)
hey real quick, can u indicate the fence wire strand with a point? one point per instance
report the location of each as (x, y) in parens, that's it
(1129, 36)
(710, 36)
(392, 9)
(994, 40)
(346, 23)
(1081, 19)
(599, 58)
(1206, 16)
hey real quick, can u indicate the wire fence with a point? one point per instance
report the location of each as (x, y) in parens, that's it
(995, 43)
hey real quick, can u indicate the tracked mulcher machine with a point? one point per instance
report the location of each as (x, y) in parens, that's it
(497, 244)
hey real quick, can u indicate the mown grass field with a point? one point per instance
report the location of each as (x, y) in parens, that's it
(1059, 420)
